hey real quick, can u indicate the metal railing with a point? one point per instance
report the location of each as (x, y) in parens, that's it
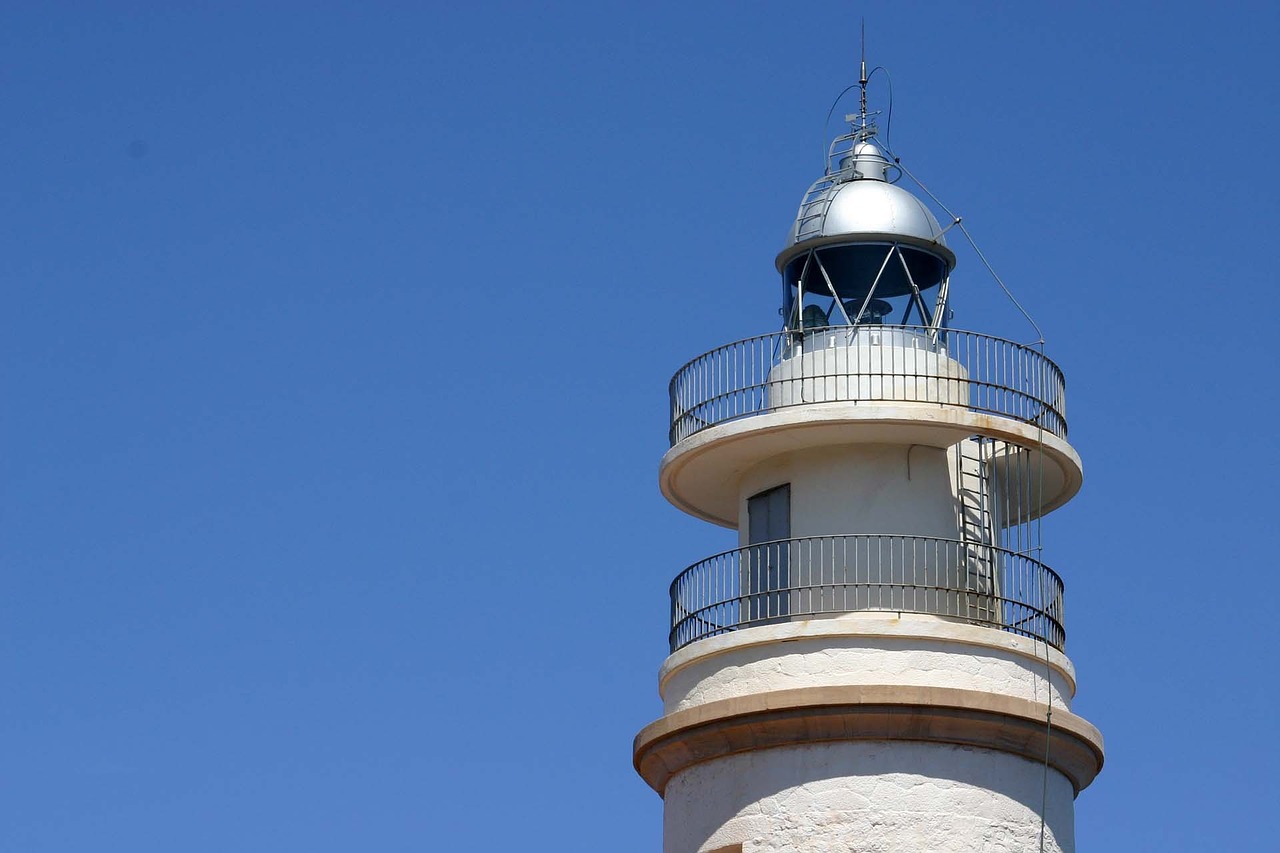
(868, 363)
(818, 576)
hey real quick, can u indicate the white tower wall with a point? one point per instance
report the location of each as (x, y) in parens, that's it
(881, 488)
(882, 796)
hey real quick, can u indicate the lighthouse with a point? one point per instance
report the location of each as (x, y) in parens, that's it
(880, 664)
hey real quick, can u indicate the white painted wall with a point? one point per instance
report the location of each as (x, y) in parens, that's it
(868, 797)
(860, 488)
(836, 365)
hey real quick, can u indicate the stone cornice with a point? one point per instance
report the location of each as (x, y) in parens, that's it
(867, 712)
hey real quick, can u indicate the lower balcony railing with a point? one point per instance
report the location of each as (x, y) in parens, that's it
(825, 576)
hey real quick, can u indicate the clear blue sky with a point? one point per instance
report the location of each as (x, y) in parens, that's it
(336, 341)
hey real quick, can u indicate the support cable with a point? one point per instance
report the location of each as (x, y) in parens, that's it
(959, 223)
(1048, 736)
(1044, 603)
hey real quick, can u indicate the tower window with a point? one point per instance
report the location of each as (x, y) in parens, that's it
(769, 515)
(767, 568)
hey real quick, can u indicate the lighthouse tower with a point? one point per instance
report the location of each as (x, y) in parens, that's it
(879, 665)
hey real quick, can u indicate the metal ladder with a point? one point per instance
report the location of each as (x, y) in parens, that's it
(977, 531)
(813, 210)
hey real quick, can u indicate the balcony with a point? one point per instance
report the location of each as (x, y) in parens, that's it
(827, 576)
(852, 364)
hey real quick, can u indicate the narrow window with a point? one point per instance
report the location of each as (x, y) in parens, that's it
(766, 575)
(769, 515)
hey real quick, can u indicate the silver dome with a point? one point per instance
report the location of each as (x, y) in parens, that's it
(868, 161)
(857, 205)
(876, 207)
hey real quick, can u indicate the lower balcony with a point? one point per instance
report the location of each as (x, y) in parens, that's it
(827, 576)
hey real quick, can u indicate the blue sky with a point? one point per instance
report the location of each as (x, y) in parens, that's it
(335, 357)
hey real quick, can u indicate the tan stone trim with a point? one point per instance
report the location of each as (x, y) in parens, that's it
(871, 625)
(866, 712)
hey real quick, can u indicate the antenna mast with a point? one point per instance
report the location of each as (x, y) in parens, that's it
(862, 82)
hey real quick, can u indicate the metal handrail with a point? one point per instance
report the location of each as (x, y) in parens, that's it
(818, 576)
(915, 364)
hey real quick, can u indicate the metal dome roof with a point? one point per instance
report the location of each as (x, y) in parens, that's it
(878, 207)
(857, 204)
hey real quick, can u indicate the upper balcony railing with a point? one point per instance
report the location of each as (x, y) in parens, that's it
(900, 364)
(826, 576)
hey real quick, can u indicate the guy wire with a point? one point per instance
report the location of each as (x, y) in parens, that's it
(958, 222)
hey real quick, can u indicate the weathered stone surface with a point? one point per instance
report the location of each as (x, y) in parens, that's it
(866, 648)
(868, 797)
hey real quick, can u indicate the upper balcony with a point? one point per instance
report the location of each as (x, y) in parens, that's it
(868, 364)
(749, 401)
